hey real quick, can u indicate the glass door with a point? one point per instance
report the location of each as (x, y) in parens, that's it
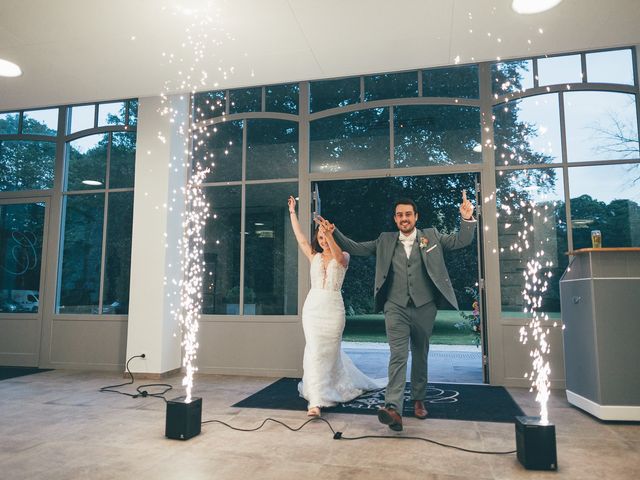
(22, 252)
(361, 209)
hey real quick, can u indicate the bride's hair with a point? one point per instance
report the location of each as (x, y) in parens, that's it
(315, 245)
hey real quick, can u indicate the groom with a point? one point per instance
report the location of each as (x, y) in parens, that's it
(411, 276)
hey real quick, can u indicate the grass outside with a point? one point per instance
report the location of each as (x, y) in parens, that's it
(370, 328)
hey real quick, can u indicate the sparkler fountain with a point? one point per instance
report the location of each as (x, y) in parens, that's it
(184, 414)
(535, 436)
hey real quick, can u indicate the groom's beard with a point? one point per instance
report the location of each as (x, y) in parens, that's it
(407, 228)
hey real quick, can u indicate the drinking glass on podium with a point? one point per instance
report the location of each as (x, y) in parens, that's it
(596, 239)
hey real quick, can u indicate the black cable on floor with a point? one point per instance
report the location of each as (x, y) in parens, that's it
(340, 436)
(141, 389)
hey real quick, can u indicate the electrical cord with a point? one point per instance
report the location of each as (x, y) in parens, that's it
(339, 436)
(336, 434)
(141, 389)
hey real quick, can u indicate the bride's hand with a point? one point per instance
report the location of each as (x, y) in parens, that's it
(326, 226)
(292, 204)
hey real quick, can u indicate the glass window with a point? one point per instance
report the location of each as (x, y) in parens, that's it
(208, 105)
(21, 232)
(559, 70)
(132, 111)
(40, 122)
(272, 149)
(282, 98)
(115, 297)
(527, 131)
(546, 232)
(436, 135)
(391, 85)
(605, 198)
(245, 100)
(81, 118)
(615, 66)
(351, 141)
(111, 113)
(601, 126)
(271, 252)
(510, 77)
(221, 284)
(221, 150)
(459, 82)
(26, 165)
(81, 253)
(9, 123)
(86, 164)
(122, 160)
(334, 93)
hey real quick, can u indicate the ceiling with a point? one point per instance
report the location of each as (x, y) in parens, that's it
(74, 51)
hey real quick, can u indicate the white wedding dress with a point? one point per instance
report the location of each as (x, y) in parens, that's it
(330, 377)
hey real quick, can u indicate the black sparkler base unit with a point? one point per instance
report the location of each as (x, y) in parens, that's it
(183, 419)
(536, 444)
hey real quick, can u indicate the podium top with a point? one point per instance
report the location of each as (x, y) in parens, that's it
(613, 249)
(623, 262)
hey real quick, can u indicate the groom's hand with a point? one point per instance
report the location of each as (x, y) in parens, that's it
(466, 207)
(324, 224)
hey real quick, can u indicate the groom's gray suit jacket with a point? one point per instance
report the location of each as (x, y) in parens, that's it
(430, 251)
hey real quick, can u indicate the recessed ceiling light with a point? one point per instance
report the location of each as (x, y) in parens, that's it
(93, 183)
(533, 6)
(9, 69)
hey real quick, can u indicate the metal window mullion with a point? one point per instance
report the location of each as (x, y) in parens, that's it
(636, 75)
(392, 156)
(227, 102)
(104, 250)
(243, 217)
(536, 80)
(58, 205)
(362, 89)
(420, 80)
(583, 66)
(565, 170)
(96, 107)
(493, 355)
(304, 188)
(105, 226)
(263, 100)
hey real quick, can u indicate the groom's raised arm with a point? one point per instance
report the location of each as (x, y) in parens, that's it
(354, 248)
(465, 233)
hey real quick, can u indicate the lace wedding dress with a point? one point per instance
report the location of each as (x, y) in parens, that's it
(330, 377)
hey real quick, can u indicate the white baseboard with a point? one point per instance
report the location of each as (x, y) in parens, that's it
(605, 412)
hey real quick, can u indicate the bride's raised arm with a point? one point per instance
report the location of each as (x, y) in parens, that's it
(336, 252)
(303, 243)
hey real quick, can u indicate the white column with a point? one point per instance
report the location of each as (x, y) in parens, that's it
(157, 226)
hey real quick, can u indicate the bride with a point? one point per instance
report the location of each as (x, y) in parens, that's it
(329, 377)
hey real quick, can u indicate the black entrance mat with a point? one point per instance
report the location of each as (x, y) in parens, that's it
(451, 401)
(12, 372)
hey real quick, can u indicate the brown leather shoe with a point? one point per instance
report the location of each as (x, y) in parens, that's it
(390, 417)
(419, 410)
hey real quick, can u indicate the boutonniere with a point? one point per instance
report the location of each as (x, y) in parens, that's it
(424, 243)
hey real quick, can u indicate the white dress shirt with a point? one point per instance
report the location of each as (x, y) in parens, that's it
(408, 240)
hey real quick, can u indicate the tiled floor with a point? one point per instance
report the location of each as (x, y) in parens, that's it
(56, 425)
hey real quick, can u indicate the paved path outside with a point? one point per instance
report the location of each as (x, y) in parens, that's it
(447, 363)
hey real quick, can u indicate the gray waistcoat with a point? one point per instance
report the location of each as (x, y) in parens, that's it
(409, 278)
